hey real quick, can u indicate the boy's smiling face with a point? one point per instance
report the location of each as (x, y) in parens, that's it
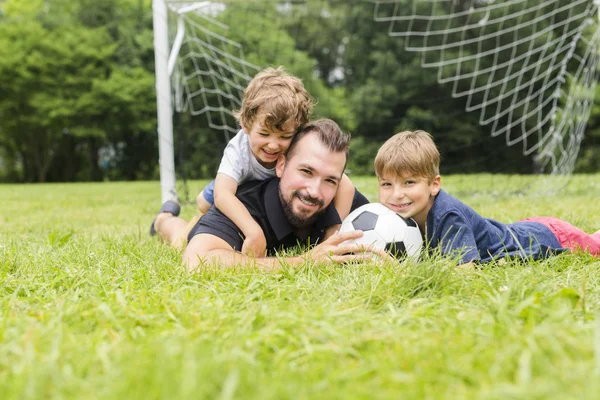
(408, 195)
(268, 144)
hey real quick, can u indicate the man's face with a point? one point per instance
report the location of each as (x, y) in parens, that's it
(309, 180)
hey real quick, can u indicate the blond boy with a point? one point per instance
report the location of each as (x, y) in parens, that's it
(407, 168)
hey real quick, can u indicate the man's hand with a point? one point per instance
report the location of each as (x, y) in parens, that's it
(333, 250)
(255, 245)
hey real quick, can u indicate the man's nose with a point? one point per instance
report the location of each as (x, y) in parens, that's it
(314, 188)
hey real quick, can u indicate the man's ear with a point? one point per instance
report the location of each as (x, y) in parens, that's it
(436, 185)
(280, 166)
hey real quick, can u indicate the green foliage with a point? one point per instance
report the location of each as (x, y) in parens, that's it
(266, 43)
(92, 307)
(46, 71)
(362, 156)
(589, 158)
(69, 89)
(78, 80)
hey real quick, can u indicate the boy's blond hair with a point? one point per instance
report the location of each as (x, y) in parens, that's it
(412, 152)
(277, 95)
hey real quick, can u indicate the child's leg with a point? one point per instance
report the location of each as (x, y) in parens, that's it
(181, 239)
(170, 229)
(174, 230)
(570, 236)
(206, 198)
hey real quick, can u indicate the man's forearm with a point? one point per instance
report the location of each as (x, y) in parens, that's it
(230, 258)
(208, 250)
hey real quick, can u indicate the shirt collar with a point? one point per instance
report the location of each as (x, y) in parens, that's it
(432, 211)
(280, 224)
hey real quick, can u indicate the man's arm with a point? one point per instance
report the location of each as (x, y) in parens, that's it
(209, 250)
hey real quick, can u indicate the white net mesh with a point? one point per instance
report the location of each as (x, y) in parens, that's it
(209, 64)
(524, 99)
(527, 67)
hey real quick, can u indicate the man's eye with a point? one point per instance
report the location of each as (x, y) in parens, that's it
(306, 171)
(333, 182)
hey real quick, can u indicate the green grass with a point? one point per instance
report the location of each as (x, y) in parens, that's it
(92, 307)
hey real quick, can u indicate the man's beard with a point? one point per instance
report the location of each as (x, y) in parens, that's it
(296, 220)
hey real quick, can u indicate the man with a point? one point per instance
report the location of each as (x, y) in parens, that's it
(296, 207)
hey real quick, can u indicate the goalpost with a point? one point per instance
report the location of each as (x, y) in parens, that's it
(166, 156)
(167, 70)
(528, 68)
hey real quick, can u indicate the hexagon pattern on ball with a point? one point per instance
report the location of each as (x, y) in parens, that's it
(384, 229)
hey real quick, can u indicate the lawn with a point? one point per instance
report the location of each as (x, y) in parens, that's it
(93, 308)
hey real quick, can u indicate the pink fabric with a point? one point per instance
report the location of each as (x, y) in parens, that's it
(570, 236)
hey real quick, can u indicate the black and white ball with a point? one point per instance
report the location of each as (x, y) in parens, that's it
(384, 229)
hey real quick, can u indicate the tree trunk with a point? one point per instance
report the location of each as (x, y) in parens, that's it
(95, 173)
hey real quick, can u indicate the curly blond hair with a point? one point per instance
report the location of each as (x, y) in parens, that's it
(280, 99)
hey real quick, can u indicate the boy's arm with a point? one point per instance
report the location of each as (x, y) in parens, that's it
(227, 202)
(457, 239)
(342, 202)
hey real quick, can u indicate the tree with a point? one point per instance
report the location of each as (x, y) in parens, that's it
(78, 78)
(45, 72)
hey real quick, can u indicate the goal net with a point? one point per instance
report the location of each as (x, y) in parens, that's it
(528, 68)
(518, 75)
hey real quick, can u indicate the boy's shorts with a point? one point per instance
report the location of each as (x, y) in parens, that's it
(209, 192)
(570, 236)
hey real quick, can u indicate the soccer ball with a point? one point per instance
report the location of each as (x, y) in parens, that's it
(384, 229)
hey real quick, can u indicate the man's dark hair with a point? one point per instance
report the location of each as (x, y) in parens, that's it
(328, 132)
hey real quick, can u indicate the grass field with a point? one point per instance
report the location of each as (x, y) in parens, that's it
(92, 307)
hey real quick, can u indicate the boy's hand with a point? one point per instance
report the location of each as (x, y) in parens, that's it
(255, 245)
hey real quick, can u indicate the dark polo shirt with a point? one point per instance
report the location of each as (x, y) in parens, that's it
(261, 198)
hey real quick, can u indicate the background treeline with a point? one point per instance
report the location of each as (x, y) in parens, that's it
(78, 102)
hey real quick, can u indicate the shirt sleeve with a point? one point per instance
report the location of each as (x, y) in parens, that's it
(234, 161)
(456, 238)
(358, 200)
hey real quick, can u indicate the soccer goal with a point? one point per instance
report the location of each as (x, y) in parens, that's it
(505, 80)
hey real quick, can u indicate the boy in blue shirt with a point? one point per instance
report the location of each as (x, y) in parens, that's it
(407, 168)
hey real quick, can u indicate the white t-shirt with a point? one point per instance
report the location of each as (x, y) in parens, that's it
(239, 163)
